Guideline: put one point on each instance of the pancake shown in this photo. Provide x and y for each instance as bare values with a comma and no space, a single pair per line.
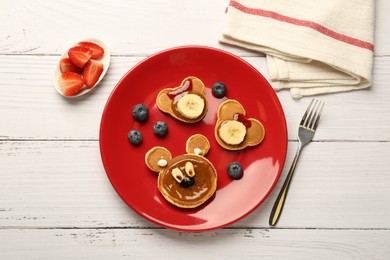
205,182
168,99
229,111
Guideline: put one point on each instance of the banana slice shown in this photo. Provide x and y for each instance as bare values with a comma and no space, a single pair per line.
190,106
232,132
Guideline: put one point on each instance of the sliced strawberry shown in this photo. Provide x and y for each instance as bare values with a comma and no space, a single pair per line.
70,83
80,55
92,72
66,65
97,51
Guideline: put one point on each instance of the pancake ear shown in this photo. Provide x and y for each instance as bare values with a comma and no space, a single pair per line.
157,158
255,133
197,85
228,108
197,144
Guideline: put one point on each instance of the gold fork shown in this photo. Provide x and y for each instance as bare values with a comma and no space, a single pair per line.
307,128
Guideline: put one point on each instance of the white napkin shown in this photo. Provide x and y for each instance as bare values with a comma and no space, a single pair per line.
312,47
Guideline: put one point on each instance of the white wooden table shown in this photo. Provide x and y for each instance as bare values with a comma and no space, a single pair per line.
57,202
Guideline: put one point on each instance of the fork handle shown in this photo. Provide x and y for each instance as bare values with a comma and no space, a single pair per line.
279,203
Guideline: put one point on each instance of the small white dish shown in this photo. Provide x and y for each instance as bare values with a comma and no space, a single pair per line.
105,60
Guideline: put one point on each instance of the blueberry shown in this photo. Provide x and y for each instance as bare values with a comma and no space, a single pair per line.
160,129
135,137
187,182
235,170
140,113
219,89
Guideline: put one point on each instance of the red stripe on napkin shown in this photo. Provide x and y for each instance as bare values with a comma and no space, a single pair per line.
315,26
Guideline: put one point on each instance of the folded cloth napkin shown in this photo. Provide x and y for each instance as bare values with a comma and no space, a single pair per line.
312,47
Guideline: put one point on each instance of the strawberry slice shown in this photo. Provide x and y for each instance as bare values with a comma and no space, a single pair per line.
97,51
66,65
70,83
92,72
79,55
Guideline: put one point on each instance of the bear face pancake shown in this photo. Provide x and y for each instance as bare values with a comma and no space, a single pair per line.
187,180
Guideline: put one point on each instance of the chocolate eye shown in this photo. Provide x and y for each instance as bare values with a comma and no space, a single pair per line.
177,175
187,182
189,168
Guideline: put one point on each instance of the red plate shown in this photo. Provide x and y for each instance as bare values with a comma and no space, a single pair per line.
124,163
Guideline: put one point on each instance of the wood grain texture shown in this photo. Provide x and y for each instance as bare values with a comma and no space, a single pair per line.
222,244
56,201
63,184
30,107
137,28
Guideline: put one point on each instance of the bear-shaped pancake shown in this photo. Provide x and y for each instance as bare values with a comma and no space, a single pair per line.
188,180
233,131
186,102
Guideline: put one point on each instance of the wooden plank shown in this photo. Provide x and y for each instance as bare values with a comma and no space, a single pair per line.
30,108
382,31
63,184
56,201
222,244
165,24
356,115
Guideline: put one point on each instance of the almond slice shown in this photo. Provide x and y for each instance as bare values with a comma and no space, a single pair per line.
189,168
177,175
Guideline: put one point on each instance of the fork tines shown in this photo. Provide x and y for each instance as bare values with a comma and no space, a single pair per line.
312,115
